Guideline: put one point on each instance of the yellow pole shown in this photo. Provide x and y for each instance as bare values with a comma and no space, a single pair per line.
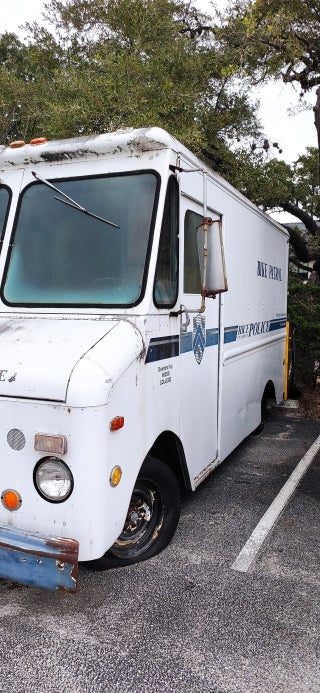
286,362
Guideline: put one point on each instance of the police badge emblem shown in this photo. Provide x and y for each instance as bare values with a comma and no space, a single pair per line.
199,337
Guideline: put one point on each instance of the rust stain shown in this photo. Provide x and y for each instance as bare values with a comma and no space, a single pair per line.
63,156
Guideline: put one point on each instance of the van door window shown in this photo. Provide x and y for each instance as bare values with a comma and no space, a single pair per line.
192,279
166,279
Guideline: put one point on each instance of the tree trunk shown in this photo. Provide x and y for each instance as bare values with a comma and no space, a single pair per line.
317,121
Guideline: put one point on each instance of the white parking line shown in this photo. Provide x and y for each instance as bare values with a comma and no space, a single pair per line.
250,550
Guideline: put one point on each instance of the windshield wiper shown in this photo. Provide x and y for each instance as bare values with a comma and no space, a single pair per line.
72,203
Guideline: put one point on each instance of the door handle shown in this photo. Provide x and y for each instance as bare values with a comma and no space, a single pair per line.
184,325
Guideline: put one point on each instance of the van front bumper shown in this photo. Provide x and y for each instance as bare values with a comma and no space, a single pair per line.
37,559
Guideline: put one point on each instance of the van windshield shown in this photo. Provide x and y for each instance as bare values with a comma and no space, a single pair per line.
63,256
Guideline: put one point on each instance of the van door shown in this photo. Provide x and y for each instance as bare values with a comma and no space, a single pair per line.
199,352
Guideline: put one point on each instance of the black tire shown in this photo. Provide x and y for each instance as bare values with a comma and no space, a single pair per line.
260,428
152,518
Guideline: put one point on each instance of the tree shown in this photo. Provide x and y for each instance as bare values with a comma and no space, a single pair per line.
276,185
277,39
106,64
265,39
27,77
280,39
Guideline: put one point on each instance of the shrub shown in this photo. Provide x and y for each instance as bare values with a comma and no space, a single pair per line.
304,314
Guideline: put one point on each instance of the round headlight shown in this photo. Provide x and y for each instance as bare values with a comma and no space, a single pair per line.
53,479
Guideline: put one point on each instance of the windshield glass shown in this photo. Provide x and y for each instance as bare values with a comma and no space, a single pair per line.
4,200
61,255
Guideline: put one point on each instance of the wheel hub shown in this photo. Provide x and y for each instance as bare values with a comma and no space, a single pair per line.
138,512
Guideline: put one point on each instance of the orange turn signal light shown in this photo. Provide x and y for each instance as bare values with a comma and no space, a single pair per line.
115,476
116,423
10,499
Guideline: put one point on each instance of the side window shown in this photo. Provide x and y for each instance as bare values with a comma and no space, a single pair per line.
166,279
4,202
192,279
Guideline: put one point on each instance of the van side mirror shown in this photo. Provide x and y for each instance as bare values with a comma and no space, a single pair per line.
211,264
211,258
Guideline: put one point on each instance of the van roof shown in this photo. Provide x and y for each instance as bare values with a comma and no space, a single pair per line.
121,142
125,142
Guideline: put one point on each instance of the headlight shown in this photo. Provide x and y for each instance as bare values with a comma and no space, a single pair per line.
53,479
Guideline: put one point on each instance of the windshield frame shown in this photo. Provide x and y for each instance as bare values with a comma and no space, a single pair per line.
87,305
5,218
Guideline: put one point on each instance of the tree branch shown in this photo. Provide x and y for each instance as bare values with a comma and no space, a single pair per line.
311,225
300,265
298,244
317,122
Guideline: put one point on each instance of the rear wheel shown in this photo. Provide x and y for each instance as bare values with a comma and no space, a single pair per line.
260,428
152,517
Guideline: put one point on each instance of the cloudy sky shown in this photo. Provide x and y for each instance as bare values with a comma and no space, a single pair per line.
293,132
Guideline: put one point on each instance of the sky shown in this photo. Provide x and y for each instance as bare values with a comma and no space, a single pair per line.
293,132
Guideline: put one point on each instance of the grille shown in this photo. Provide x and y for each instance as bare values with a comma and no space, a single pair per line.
16,439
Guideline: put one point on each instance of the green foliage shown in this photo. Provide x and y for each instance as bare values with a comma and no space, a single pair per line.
271,183
304,313
27,77
306,182
122,63
278,38
268,183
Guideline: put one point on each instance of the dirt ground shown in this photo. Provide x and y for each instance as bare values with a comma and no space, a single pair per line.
309,401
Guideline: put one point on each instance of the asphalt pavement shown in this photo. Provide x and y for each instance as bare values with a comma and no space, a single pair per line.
186,621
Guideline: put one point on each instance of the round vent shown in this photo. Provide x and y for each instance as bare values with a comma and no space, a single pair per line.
16,439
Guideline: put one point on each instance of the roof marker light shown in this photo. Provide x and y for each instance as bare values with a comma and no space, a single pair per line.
38,140
17,144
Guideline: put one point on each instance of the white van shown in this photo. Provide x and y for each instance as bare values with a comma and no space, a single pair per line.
142,324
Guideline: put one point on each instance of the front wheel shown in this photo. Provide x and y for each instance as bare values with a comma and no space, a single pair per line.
152,517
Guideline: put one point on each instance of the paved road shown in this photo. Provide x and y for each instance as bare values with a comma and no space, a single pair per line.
185,621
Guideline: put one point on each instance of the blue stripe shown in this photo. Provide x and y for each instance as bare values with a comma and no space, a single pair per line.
170,346
185,342
277,324
230,334
163,348
212,336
